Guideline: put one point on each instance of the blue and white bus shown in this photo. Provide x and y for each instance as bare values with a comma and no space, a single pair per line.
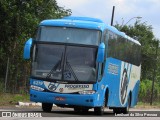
83,63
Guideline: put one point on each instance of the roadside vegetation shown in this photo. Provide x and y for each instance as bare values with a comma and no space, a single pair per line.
18,22
7,99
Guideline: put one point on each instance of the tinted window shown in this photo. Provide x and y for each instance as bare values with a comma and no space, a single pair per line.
69,35
123,49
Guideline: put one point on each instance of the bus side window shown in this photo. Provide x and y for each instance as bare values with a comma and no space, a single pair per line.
106,39
111,45
123,49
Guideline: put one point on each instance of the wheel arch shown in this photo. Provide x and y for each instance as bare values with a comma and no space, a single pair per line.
106,95
130,97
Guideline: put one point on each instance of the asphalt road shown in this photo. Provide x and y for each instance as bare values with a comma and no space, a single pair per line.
68,113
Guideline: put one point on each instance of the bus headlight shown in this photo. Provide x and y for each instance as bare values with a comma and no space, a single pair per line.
85,92
36,88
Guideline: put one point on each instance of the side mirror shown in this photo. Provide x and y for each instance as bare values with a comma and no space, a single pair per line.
101,53
27,49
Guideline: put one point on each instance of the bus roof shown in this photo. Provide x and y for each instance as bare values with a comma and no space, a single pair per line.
84,19
85,22
79,22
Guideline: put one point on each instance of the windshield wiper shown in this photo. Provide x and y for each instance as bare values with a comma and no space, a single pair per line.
71,70
62,66
55,67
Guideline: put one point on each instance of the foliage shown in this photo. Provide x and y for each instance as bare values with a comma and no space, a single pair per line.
145,91
18,21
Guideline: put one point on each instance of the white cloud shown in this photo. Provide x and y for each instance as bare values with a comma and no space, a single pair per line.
72,4
126,9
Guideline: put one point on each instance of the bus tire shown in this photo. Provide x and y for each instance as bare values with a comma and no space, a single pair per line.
100,110
47,107
126,109
81,110
76,110
116,110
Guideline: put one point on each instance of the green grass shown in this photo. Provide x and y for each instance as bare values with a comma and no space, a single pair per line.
12,99
147,105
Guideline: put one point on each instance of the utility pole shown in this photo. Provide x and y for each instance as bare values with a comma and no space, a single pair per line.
6,78
154,72
112,16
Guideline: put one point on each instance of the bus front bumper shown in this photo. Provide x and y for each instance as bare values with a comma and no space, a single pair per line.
89,100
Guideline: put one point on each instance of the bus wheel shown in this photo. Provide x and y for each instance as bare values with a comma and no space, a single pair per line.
83,110
126,109
122,110
47,107
77,110
116,110
100,110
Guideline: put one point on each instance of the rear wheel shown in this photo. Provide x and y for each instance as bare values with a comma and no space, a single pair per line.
124,110
47,107
118,110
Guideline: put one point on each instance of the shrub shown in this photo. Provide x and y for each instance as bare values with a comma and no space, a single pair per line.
146,91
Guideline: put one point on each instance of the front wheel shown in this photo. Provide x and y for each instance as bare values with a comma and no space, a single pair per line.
47,107
100,110
79,110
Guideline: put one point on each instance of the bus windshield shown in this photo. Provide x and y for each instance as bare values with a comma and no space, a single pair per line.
69,35
62,62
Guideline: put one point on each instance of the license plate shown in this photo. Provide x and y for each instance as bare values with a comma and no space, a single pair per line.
60,98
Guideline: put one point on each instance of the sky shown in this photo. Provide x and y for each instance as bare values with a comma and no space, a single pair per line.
126,11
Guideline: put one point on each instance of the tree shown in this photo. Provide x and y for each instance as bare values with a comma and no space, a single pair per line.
18,21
